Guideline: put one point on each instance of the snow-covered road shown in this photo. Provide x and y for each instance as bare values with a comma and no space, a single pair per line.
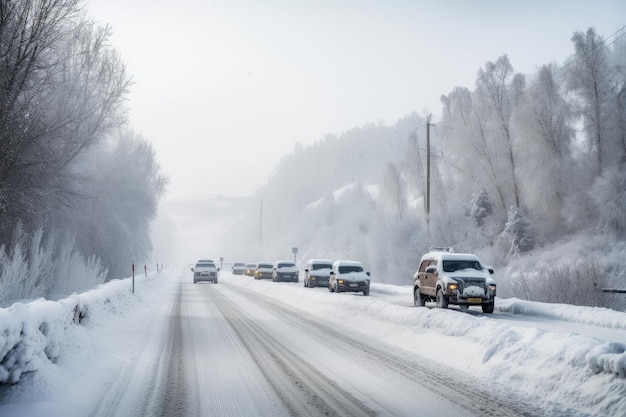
227,350
245,347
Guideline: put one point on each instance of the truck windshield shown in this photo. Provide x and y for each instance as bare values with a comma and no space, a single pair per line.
460,264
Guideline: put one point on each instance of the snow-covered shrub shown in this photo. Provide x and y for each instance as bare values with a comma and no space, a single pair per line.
39,266
577,283
24,266
518,233
609,196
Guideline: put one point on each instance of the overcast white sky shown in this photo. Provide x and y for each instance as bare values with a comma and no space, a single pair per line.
224,88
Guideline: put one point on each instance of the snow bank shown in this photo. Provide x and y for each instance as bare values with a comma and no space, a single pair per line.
607,357
31,334
595,316
388,289
571,355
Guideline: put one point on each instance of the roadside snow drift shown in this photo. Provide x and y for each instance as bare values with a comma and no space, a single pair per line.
31,334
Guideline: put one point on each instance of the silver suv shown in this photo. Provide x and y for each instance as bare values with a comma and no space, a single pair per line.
454,278
205,270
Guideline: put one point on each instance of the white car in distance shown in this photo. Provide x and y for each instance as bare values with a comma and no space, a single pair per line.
205,270
349,276
285,271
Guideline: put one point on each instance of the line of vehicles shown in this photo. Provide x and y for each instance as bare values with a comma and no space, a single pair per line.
443,277
338,276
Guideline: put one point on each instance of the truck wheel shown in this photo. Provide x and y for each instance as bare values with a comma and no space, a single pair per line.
442,300
366,292
418,300
488,308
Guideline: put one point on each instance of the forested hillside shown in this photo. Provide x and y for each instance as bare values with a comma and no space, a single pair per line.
78,188
527,170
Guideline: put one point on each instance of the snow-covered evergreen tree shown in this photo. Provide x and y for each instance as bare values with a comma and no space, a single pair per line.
479,207
518,232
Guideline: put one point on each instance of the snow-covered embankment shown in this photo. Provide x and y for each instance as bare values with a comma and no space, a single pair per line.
31,333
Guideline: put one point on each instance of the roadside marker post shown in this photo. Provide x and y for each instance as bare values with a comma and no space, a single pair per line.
133,290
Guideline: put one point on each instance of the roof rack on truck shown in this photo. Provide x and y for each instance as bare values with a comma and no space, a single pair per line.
441,249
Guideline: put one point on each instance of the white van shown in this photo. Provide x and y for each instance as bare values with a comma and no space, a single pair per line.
317,273
349,276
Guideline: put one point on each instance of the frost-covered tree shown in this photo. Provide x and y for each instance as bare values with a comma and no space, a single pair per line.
589,77
394,191
119,194
467,143
492,87
518,232
480,207
62,93
609,195
547,170
61,88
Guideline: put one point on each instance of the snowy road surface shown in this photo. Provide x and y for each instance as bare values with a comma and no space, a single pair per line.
244,347
230,351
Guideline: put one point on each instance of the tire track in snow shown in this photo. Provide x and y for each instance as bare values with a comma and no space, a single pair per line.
494,400
303,390
175,398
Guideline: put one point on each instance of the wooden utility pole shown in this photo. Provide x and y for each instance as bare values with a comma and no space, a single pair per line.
428,169
261,224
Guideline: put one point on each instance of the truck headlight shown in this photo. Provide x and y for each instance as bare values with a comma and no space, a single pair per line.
453,287
492,288
340,281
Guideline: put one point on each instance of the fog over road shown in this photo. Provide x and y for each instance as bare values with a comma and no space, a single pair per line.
227,350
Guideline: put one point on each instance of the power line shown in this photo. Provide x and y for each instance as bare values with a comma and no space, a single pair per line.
617,34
